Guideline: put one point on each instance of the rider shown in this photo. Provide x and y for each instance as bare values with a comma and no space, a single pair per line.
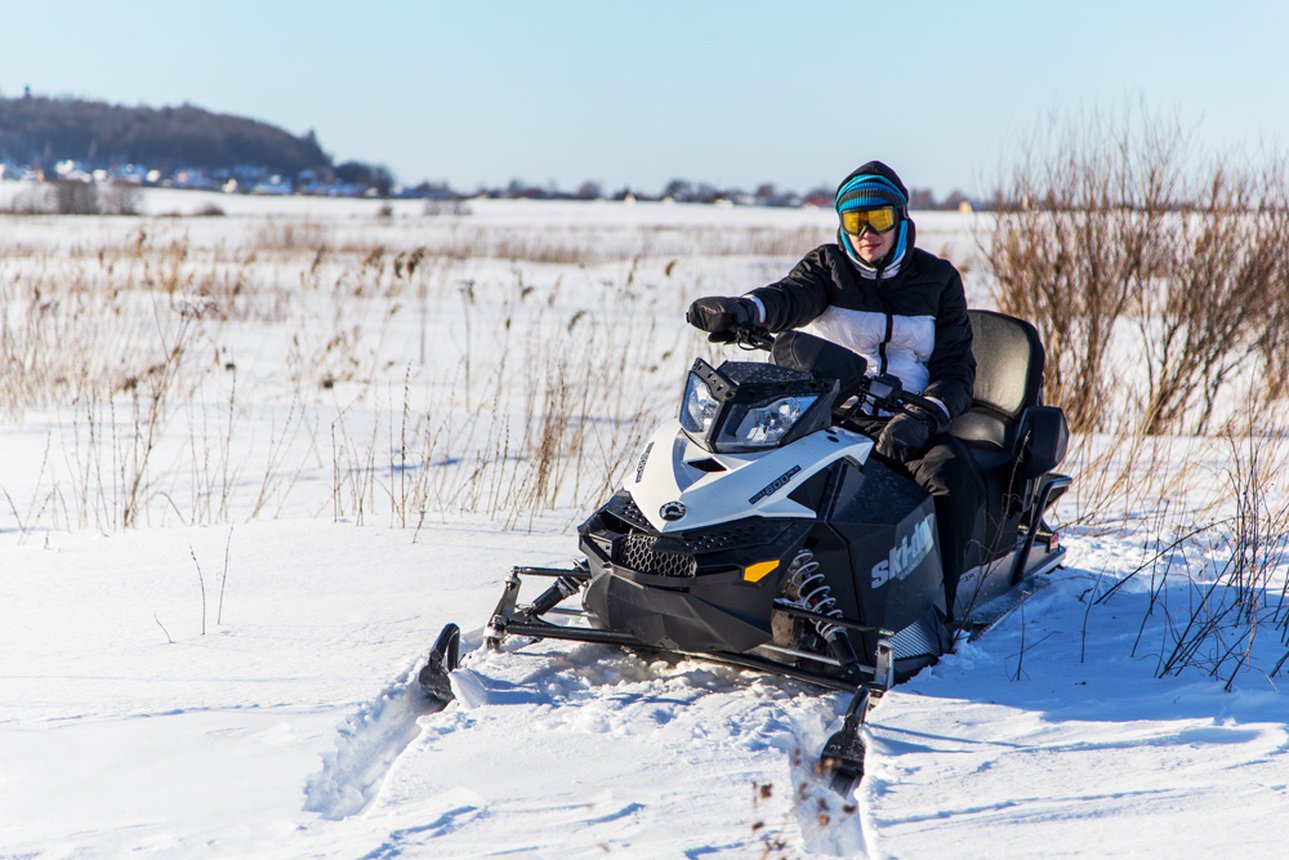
904,310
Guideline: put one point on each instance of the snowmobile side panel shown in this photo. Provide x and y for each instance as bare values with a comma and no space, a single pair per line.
888,523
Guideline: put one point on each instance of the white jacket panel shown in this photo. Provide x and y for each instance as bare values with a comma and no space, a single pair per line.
907,352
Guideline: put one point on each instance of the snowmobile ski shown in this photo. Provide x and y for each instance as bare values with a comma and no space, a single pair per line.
842,758
445,656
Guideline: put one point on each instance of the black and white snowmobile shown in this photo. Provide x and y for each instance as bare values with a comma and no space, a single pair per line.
760,529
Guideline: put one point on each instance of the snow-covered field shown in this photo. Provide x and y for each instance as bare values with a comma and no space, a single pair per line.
252,463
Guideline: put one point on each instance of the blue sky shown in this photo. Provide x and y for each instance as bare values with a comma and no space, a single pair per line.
638,93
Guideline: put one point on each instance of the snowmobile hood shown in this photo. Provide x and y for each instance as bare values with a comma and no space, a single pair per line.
679,486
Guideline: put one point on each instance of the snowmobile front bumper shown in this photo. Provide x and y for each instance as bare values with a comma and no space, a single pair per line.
686,591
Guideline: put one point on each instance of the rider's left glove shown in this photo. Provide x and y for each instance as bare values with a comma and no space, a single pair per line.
721,317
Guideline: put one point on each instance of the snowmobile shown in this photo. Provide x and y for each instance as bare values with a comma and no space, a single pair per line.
760,528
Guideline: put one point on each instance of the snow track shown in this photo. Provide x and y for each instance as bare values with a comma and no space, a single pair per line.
369,743
654,743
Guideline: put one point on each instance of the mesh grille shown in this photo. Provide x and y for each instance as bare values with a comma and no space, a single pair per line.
644,550
712,540
638,554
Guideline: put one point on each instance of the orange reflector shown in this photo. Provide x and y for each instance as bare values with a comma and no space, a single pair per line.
757,572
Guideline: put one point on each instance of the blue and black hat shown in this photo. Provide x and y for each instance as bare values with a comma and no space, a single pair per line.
870,186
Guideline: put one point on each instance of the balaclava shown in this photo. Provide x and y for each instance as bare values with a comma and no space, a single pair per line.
868,187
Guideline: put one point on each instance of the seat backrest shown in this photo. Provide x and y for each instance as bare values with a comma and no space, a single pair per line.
1009,362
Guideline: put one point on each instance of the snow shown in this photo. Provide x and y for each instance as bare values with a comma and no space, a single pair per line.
234,675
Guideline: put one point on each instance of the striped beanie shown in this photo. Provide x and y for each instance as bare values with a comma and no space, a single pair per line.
868,187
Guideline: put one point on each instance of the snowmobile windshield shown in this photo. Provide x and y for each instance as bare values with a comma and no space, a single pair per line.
750,407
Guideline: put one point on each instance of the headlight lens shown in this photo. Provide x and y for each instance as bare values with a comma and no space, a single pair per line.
738,420
765,424
700,407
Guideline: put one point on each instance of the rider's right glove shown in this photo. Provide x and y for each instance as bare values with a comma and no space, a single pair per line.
907,433
721,317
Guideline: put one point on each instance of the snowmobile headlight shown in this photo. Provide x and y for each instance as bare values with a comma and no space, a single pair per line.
699,408
750,406
763,425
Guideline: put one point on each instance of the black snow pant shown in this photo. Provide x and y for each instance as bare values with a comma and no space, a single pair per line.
946,470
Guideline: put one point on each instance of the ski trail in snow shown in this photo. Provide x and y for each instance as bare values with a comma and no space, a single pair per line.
533,701
830,825
596,691
370,741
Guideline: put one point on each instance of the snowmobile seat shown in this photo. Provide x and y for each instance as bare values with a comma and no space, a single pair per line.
1007,411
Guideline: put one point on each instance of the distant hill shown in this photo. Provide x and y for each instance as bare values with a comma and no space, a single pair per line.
40,131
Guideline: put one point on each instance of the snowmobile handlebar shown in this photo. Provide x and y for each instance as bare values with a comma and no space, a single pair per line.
885,391
753,337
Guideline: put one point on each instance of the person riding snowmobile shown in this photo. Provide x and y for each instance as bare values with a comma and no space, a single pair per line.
904,310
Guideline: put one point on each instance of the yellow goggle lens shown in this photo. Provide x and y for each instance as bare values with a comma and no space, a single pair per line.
880,220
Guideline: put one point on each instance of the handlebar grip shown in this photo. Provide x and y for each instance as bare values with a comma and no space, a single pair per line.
922,402
754,337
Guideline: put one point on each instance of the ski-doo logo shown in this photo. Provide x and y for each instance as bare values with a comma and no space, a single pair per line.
774,485
672,511
906,556
644,458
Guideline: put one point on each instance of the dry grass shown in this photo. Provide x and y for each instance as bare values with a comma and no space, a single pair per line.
417,378
416,374
584,245
1152,280
1157,280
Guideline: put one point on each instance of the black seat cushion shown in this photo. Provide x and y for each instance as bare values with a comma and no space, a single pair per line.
990,435
1009,378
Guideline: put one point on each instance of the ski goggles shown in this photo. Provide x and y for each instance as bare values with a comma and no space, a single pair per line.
855,221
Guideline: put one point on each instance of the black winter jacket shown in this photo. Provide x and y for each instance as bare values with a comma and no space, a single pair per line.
913,325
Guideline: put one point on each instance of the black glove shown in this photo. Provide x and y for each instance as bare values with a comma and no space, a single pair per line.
906,434
722,316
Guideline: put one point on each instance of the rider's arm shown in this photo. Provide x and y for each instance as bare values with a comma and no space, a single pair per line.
952,366
797,298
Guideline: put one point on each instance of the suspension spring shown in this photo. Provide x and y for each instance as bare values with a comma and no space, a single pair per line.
813,592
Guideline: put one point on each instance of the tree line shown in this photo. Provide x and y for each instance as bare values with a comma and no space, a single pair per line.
38,132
